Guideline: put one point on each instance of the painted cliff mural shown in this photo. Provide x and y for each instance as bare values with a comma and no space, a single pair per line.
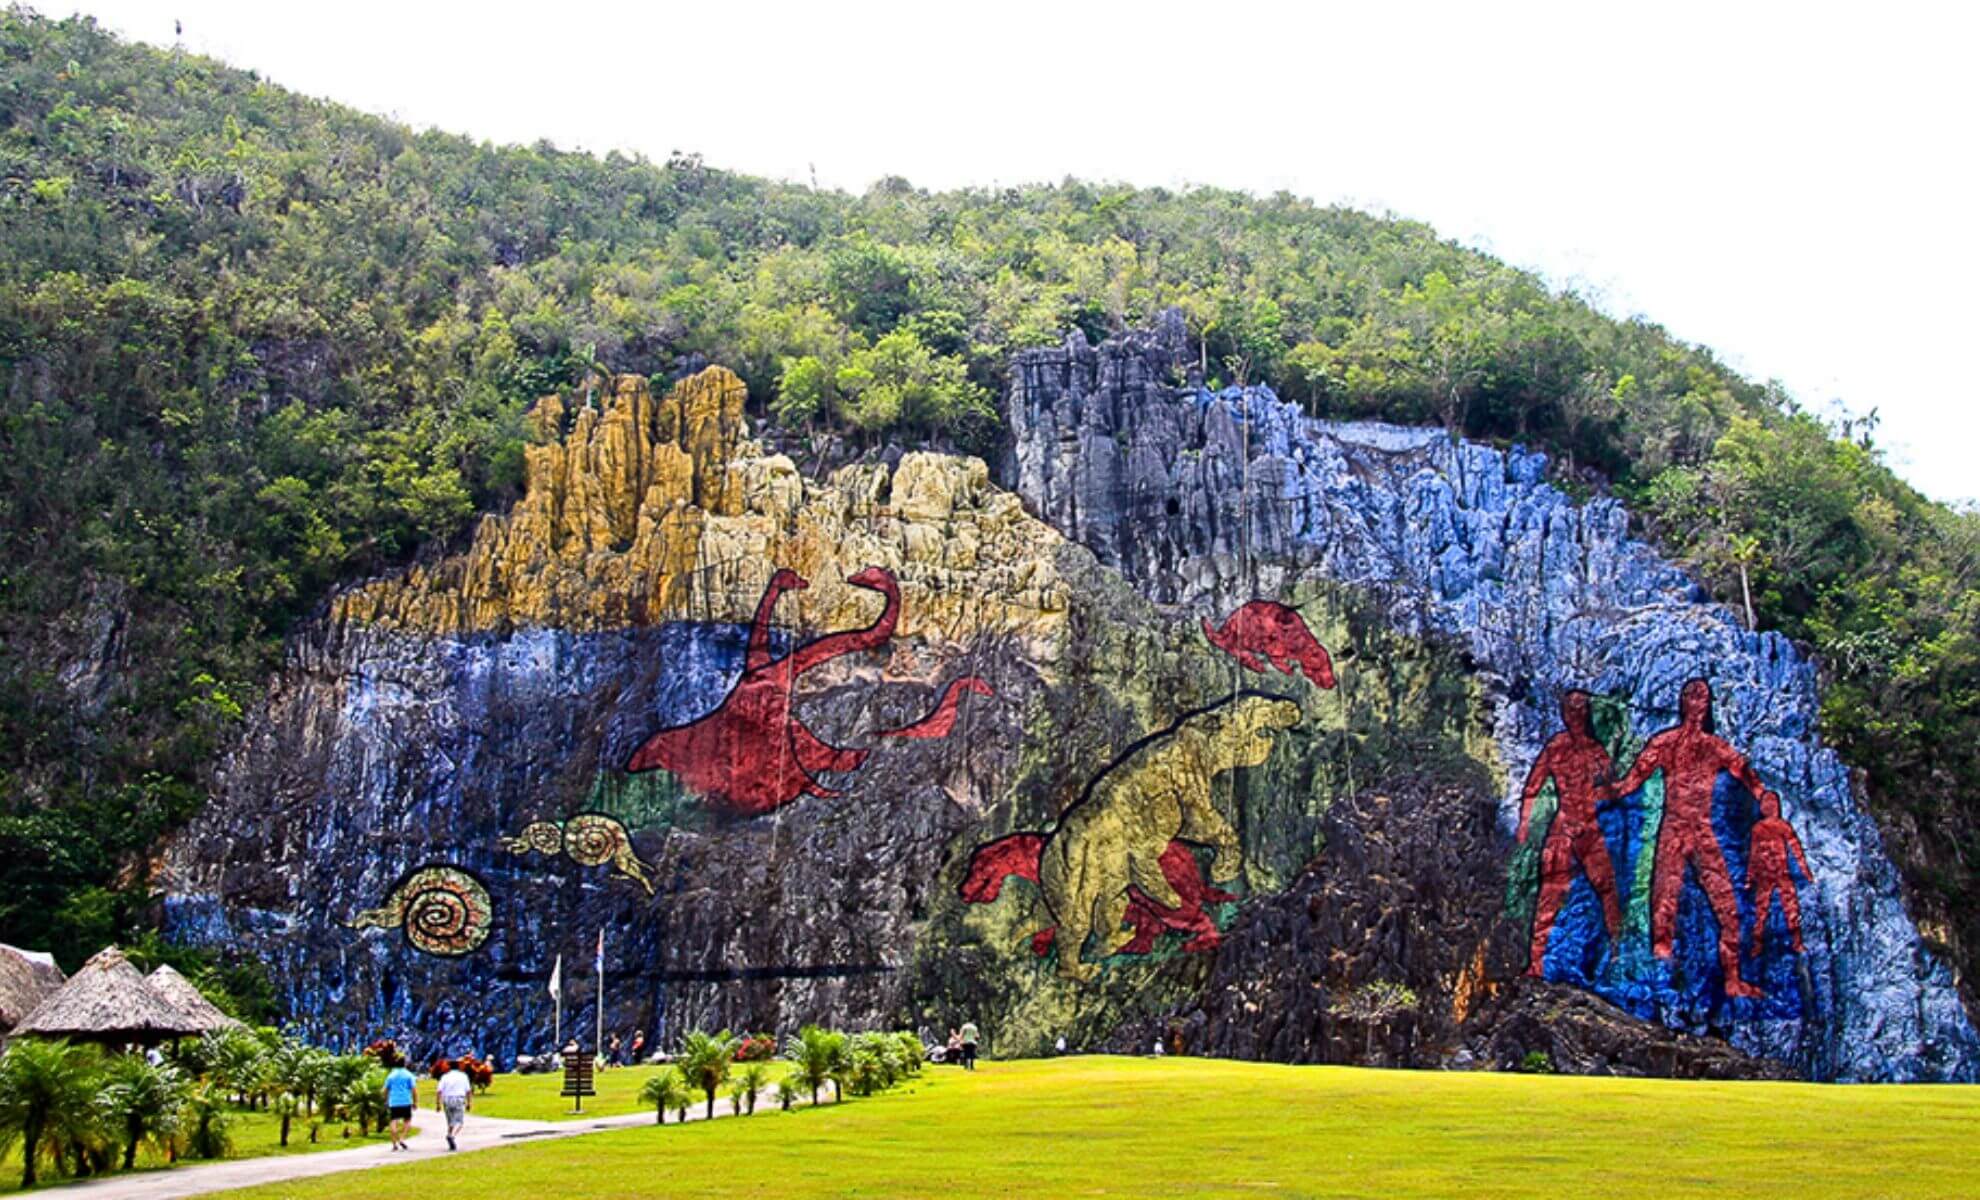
1213,715
1704,853
1118,865
751,754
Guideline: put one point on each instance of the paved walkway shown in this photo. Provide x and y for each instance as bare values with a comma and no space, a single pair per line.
480,1133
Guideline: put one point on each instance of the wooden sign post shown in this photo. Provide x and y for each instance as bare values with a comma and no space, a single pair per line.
577,1078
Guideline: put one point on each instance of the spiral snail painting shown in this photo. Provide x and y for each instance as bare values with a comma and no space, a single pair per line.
442,910
588,839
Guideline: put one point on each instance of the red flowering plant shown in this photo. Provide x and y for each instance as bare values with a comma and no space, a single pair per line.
757,1047
480,1074
384,1051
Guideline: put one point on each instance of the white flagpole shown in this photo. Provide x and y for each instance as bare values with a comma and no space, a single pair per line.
599,1045
557,1006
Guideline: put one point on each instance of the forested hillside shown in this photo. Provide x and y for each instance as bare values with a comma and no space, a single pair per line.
254,344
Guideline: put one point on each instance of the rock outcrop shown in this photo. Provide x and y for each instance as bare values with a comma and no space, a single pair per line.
643,511
1253,699
1205,499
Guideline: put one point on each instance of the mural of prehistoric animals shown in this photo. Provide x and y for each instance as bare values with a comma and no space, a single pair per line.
751,754
1119,867
894,743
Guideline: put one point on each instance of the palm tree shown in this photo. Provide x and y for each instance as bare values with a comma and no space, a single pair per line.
913,1053
815,1056
343,1078
286,1105
142,1103
313,1072
43,1085
750,1084
664,1091
704,1059
367,1101
234,1059
206,1121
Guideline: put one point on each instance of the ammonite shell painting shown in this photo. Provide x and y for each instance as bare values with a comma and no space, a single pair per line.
594,839
442,910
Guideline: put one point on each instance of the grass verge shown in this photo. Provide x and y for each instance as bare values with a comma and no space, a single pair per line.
1193,1127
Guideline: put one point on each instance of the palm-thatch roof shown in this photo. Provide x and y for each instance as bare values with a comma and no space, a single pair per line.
107,1001
26,979
179,992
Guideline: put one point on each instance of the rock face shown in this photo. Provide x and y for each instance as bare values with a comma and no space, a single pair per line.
1204,499
1217,726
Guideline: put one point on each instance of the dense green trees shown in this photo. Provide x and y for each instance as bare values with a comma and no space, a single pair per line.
252,344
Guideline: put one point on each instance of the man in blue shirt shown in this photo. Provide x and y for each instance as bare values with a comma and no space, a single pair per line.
401,1094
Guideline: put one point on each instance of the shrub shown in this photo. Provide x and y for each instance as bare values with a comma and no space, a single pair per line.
206,1122
668,1089
45,1089
385,1052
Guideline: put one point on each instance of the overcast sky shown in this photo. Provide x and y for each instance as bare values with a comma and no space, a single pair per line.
1793,188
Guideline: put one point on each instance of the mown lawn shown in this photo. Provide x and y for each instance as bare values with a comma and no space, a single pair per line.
254,1135
1193,1127
536,1098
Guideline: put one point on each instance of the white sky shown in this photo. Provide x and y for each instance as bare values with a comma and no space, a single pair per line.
1794,187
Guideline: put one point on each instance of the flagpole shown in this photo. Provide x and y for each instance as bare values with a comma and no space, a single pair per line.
599,1045
557,1006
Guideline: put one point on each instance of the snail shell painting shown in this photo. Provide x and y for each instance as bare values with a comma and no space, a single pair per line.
537,837
588,839
442,910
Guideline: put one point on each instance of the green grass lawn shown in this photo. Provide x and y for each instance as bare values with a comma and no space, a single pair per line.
536,1098
1194,1127
254,1134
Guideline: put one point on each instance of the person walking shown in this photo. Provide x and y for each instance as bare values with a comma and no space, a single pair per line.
969,1045
401,1096
454,1097
612,1054
638,1053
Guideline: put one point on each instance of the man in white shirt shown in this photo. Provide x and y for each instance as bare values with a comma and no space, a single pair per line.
455,1097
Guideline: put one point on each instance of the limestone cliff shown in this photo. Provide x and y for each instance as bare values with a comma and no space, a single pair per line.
638,512
1203,499
1240,719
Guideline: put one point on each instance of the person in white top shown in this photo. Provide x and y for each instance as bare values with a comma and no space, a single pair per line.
456,1096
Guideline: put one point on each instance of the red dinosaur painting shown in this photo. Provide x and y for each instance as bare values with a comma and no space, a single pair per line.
751,754
1265,631
1017,857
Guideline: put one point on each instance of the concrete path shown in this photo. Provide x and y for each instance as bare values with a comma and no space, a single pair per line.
480,1133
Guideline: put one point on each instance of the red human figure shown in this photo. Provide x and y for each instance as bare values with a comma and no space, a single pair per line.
1264,630
1767,873
1582,773
751,754
1691,756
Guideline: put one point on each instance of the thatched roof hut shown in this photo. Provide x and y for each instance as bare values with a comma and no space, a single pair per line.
26,979
179,992
108,1001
